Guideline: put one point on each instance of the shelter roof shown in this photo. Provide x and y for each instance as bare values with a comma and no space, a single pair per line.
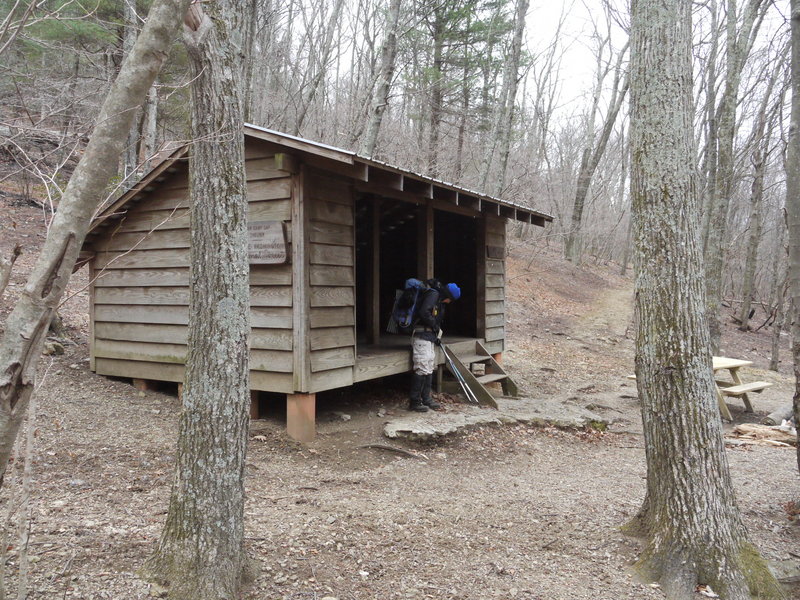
346,162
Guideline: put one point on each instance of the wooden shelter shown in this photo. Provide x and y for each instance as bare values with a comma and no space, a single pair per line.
332,236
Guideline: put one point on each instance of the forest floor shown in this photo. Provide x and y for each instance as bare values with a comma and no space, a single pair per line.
493,512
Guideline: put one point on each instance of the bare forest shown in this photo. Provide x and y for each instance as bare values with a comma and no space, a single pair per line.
543,104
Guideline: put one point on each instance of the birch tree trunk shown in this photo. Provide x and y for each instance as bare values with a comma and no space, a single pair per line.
200,554
26,326
689,517
793,208
381,99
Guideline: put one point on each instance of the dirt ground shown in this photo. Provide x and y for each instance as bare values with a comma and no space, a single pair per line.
494,512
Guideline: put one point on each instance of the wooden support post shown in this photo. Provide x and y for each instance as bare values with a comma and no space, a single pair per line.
301,304
144,385
255,410
180,392
480,279
425,241
374,311
301,416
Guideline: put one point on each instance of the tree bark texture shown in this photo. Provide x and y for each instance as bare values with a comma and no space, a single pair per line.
200,554
689,517
26,326
793,207
381,99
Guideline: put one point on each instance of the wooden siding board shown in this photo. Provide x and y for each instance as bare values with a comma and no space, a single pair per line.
331,212
495,294
148,220
332,379
324,316
331,255
494,334
263,339
495,308
332,337
180,276
334,358
330,233
263,317
332,296
332,275
260,360
495,281
179,296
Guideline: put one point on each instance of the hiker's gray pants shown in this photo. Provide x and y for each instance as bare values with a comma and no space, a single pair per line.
423,355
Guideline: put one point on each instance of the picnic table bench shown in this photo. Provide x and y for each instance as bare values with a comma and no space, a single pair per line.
735,387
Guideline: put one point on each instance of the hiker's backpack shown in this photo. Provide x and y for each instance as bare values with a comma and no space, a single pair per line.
405,305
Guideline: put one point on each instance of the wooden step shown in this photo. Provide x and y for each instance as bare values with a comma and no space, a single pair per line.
746,388
484,379
469,359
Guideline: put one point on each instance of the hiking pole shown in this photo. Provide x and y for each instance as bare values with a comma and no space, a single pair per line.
459,377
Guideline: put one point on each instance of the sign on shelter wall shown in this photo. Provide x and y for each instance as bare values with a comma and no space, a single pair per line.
266,243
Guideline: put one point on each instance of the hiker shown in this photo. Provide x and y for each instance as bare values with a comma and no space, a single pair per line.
426,336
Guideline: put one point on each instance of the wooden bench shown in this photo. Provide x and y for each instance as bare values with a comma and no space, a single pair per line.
744,388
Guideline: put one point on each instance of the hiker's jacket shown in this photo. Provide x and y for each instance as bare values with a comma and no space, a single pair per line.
429,315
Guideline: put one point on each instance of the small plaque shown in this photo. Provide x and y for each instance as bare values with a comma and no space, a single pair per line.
266,243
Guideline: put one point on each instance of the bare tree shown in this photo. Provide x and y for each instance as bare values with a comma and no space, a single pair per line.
740,39
385,75
689,517
26,326
200,554
793,207
765,122
594,150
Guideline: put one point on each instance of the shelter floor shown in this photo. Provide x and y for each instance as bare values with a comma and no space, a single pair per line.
393,355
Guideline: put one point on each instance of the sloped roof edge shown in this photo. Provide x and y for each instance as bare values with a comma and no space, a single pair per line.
305,146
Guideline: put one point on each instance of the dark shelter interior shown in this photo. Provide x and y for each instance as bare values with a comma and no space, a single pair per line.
390,240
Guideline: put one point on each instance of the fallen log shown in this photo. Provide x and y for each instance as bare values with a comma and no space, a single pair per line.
778,417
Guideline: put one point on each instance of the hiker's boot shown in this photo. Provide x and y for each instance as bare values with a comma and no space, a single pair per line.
415,397
427,399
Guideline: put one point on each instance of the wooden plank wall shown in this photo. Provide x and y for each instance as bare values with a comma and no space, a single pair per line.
495,280
141,298
331,234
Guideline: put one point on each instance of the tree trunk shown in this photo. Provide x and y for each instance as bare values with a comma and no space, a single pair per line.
780,282
793,208
26,326
435,115
510,85
200,554
738,47
131,158
762,137
689,517
149,128
381,99
592,155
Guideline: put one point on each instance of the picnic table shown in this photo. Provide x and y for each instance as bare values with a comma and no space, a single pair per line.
734,387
